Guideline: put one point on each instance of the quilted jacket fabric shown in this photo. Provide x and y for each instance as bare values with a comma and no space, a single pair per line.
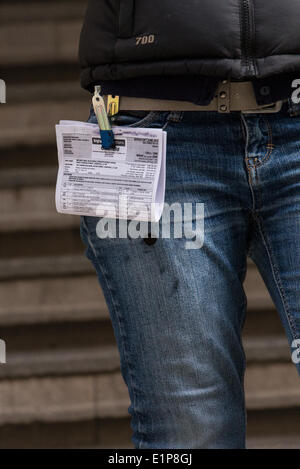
241,39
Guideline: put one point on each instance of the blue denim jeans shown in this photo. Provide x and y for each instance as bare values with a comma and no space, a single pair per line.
178,314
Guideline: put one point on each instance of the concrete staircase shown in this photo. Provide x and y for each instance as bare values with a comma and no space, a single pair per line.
62,385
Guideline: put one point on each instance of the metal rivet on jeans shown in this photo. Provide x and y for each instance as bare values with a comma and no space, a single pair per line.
265,90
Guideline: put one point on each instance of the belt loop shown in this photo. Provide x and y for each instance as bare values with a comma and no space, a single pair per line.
293,108
224,96
175,116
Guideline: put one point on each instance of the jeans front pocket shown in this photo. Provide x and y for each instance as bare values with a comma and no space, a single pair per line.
126,18
153,119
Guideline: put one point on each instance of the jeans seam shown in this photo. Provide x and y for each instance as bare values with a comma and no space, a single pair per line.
247,158
250,182
270,145
259,191
276,276
173,116
122,333
148,119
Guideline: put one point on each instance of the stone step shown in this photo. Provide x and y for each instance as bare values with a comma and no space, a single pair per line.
35,35
63,399
267,348
35,314
35,121
73,361
259,298
14,12
45,267
28,206
274,442
33,284
40,41
40,301
95,433
272,386
44,92
64,289
42,242
274,429
27,203
27,158
41,290
57,351
85,397
61,338
39,107
266,430
16,179
41,220
257,294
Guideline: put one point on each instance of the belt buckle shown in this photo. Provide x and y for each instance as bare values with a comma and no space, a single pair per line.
268,109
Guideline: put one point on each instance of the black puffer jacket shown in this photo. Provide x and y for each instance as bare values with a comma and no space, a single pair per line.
241,39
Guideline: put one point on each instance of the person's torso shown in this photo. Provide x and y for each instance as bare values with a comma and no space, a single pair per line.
241,39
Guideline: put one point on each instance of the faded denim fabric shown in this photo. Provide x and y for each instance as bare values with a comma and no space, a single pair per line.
178,314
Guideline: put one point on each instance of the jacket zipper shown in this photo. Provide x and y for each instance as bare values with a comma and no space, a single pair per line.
247,37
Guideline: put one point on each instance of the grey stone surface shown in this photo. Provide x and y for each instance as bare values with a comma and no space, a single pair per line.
23,10
52,299
62,362
272,386
36,121
53,391
39,42
62,399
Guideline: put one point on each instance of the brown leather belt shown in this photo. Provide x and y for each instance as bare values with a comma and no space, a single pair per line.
230,96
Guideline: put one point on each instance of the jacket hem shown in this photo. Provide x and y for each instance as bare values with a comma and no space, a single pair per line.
223,68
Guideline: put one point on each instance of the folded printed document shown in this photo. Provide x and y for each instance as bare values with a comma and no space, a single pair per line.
127,182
